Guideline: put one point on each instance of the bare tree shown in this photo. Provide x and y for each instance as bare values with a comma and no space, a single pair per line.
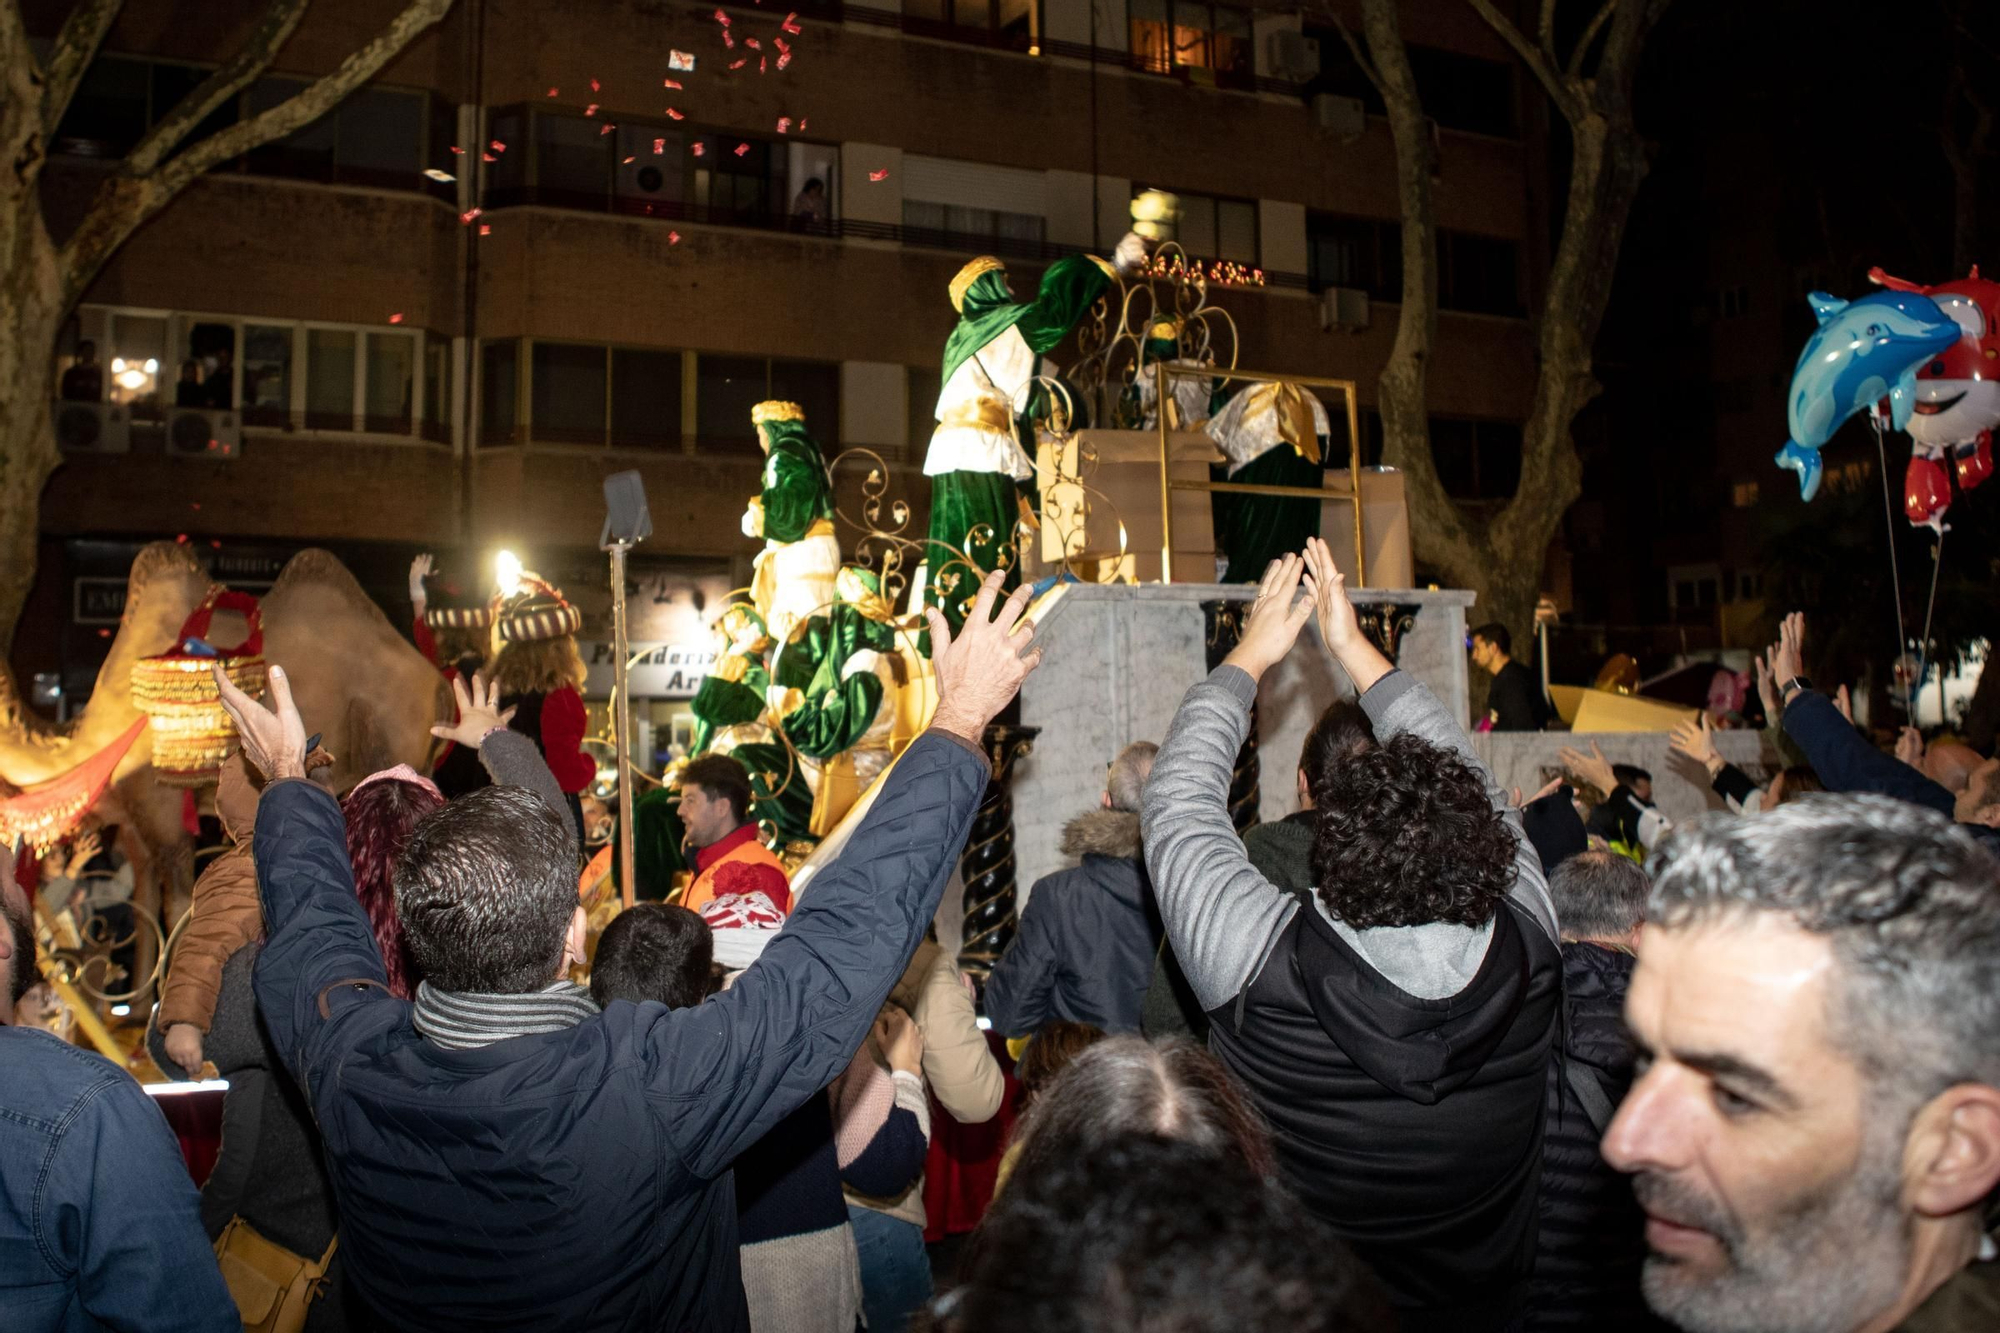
42,280
1501,557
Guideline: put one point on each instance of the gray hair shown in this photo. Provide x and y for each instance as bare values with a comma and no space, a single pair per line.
1129,771
1910,904
485,890
1599,896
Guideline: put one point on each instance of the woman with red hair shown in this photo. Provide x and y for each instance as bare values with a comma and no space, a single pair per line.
381,811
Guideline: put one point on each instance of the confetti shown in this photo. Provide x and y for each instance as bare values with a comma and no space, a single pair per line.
781,44
214,543
488,157
802,124
739,64
590,110
396,318
791,23
878,176
442,177
680,62
182,537
659,147
469,216
608,127
628,161
727,41
722,18
784,60
554,91
673,238
485,229
753,43
498,147
459,151
742,148
195,505
784,124
675,84
763,63
594,85
674,115
700,148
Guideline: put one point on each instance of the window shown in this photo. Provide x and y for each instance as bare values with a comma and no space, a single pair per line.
926,383
566,393
1184,34
377,137
171,83
111,109
572,161
727,387
389,407
953,225
499,390
740,187
1337,448
1363,253
645,397
1459,92
655,179
1481,274
580,393
1206,227
1476,460
330,365
267,374
1743,495
1001,22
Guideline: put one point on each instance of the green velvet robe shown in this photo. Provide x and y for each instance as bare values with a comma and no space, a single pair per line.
797,491
1253,530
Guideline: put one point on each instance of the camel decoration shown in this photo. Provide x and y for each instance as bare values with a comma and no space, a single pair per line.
357,681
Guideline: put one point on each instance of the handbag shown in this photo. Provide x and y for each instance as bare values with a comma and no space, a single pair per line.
272,1287
192,734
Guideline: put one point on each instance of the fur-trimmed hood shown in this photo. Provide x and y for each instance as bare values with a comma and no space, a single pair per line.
1102,833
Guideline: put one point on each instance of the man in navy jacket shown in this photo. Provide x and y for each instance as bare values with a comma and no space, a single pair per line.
576,1175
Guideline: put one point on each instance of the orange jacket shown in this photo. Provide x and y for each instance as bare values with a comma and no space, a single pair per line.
225,916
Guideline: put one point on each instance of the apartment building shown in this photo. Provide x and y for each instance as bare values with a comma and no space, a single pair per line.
541,248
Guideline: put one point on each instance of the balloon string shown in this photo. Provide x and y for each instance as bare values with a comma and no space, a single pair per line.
1923,646
1895,574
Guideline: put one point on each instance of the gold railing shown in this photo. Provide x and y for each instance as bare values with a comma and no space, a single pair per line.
1165,373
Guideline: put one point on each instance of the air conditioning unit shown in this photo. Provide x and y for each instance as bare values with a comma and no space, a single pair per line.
93,428
196,432
1292,55
1345,118
1343,308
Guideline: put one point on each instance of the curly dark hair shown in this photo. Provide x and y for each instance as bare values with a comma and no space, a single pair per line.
1404,835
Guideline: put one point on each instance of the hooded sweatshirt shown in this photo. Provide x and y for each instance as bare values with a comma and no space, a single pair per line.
225,915
1401,1067
1083,952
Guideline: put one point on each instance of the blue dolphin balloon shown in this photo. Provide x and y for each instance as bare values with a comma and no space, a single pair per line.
1864,351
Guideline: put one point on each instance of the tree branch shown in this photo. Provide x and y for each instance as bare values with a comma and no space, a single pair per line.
1559,89
271,33
1545,30
75,46
1360,56
125,202
1584,43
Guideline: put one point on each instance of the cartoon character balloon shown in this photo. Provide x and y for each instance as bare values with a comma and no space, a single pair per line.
1864,350
1958,396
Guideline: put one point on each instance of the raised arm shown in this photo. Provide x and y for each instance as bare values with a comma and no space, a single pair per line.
792,1021
1397,702
1221,915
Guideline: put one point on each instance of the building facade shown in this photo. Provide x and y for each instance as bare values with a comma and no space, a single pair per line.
541,249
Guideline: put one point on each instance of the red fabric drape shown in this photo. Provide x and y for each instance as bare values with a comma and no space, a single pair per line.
964,1160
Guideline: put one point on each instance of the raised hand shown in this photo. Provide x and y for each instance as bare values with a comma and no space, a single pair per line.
1549,788
420,569
981,671
1845,704
1767,690
1788,654
479,713
1591,769
1130,256
1276,618
1697,742
274,739
1339,627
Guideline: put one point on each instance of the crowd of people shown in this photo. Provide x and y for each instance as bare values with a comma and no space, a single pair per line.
1423,1055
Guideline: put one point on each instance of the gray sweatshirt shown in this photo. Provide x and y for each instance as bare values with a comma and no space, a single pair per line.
1223,916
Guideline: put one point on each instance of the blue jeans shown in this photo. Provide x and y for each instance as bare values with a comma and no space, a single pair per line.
895,1270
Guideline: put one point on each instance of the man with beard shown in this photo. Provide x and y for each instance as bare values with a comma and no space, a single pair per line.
1815,1132
100,1226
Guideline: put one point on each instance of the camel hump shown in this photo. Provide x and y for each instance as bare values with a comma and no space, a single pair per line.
316,570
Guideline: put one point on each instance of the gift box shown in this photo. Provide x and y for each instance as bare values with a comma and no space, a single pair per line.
1099,484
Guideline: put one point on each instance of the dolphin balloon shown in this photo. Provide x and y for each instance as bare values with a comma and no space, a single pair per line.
1864,350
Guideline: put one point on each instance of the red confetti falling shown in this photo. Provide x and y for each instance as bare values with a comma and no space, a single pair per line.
722,18
674,115
742,148
672,83
681,62
739,64
104,634
763,63
498,147
182,537
608,127
781,44
195,505
216,544
791,23
728,41
590,110
784,60
594,85
488,157
700,149
628,161
659,147
554,91
802,124
456,149
881,175
753,43
485,229
396,318
673,238
469,216
784,124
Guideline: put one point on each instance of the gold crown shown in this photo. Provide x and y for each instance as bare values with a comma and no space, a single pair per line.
970,274
1164,329
776,410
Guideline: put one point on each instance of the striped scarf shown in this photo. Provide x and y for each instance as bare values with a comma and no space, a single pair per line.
462,1021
